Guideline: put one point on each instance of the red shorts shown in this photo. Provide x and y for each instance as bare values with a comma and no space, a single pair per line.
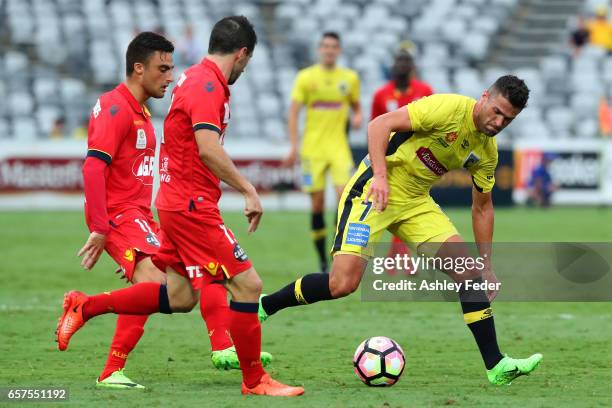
132,237
199,246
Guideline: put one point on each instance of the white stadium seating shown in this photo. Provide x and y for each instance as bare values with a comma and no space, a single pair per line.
61,54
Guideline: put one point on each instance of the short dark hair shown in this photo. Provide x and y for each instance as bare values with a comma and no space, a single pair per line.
142,46
513,89
231,34
331,34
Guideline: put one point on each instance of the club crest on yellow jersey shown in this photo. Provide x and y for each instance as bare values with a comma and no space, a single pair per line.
451,137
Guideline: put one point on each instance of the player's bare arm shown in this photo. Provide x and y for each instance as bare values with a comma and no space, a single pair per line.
357,118
482,224
213,155
95,195
294,137
378,139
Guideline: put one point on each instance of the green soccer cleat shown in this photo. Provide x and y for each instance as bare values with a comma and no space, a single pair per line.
509,368
228,359
261,313
119,381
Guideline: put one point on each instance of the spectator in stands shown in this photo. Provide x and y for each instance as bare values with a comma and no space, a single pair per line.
189,50
80,132
58,131
541,185
600,29
579,37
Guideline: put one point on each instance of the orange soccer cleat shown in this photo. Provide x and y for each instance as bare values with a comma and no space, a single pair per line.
273,388
72,318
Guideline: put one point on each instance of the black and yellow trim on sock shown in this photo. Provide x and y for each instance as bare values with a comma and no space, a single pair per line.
477,316
307,290
299,296
318,234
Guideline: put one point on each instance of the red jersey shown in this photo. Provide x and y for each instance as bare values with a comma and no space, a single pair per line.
200,100
387,98
121,134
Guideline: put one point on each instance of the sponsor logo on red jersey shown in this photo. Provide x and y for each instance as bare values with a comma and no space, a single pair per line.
144,166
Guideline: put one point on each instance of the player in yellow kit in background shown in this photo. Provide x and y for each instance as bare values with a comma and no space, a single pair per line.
328,92
410,149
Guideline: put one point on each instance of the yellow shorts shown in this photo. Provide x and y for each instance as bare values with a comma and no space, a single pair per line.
315,169
413,219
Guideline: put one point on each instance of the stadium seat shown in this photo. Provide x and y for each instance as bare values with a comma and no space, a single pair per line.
584,105
275,130
467,82
553,67
71,89
46,116
587,129
438,79
606,70
491,74
453,30
21,103
14,63
24,129
72,39
475,45
560,120
4,129
3,101
269,105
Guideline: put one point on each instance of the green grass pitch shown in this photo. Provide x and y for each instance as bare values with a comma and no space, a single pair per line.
313,345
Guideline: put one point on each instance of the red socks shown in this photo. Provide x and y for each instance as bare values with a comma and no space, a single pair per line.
216,315
140,299
246,333
127,333
398,247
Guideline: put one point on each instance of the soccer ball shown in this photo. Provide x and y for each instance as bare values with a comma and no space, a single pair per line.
379,362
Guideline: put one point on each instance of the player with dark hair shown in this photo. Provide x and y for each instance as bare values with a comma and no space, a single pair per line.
409,149
118,179
118,210
328,92
197,248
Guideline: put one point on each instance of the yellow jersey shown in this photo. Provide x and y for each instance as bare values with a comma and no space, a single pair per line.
327,95
443,138
600,33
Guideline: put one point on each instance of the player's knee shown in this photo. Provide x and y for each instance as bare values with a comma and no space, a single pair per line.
182,298
150,276
253,284
146,271
317,202
467,274
184,303
341,287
